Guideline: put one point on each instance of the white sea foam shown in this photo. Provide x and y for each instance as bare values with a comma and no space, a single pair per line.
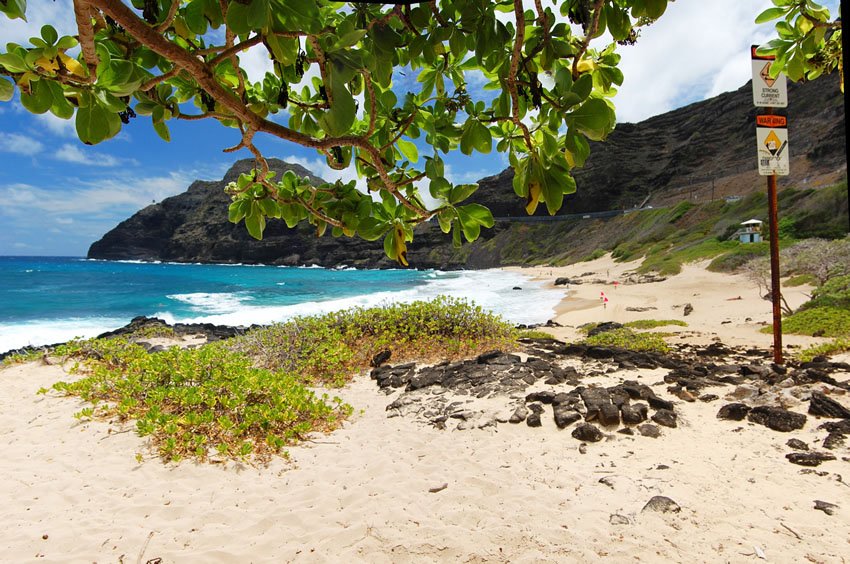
49,331
493,290
213,303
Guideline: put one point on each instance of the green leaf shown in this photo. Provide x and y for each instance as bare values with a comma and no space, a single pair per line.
237,18
61,107
92,124
594,118
255,222
478,213
14,9
576,149
237,211
770,14
339,118
7,90
39,99
461,192
296,15
655,8
48,33
258,14
12,62
162,130
371,228
408,149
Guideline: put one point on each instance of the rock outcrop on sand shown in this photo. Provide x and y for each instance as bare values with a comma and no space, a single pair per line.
596,393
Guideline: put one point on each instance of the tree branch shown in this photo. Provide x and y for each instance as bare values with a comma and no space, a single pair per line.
594,25
82,13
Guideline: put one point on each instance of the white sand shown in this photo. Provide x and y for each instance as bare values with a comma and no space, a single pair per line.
717,311
361,493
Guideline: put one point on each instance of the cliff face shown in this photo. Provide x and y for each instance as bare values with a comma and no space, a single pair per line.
700,152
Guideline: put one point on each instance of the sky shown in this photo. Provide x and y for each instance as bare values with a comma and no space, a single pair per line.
59,196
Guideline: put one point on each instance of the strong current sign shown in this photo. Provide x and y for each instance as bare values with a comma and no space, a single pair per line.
772,141
767,92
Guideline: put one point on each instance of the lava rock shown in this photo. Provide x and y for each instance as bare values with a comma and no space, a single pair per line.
825,506
565,416
688,309
797,444
809,458
649,430
833,441
542,397
661,504
519,414
634,414
380,358
587,432
617,519
733,411
777,418
656,402
665,417
824,406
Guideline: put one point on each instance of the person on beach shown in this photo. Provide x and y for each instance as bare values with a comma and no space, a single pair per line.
604,302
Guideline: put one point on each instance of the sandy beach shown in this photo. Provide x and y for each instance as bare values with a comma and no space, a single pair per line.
394,489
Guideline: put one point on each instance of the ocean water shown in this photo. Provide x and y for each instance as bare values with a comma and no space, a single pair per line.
46,300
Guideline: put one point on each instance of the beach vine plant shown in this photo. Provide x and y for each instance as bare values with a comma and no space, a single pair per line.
249,398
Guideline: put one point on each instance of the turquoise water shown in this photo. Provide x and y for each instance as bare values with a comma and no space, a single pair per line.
51,299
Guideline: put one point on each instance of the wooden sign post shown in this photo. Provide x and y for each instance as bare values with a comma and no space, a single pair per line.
773,160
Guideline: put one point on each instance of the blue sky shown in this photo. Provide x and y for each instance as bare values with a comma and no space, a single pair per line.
58,195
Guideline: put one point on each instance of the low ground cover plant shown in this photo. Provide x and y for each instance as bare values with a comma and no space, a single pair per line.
627,339
197,402
331,348
249,397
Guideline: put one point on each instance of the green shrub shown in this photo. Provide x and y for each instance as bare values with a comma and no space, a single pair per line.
627,339
816,322
740,255
653,323
197,402
598,253
800,280
331,348
825,349
534,334
835,293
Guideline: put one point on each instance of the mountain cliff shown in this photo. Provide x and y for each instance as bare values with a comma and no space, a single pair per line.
701,152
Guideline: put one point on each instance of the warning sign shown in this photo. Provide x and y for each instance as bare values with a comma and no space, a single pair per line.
767,92
772,141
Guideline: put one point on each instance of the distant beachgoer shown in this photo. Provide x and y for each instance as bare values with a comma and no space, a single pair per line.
604,302
616,284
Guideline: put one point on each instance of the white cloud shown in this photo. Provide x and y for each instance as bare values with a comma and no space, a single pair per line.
59,14
91,197
19,144
57,126
73,154
256,62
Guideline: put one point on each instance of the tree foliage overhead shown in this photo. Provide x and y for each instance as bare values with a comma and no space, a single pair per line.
808,42
337,86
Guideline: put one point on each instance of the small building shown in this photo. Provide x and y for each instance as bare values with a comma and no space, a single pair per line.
750,231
